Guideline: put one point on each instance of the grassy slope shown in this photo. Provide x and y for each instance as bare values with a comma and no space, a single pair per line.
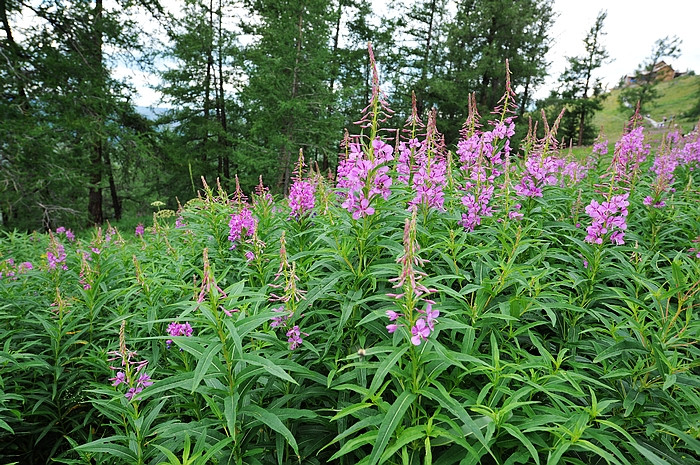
675,98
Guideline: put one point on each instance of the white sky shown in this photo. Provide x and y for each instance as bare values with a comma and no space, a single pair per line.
632,28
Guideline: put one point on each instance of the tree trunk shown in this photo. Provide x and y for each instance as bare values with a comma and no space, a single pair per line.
526,96
23,102
285,156
582,116
486,78
222,104
95,214
116,201
426,60
207,81
336,39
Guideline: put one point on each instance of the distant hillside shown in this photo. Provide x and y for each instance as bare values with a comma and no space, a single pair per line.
676,97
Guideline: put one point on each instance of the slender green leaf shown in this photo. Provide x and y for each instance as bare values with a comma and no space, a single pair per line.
391,421
271,420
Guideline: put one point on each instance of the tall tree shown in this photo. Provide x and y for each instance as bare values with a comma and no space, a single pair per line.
480,37
288,93
349,73
578,83
64,109
96,110
420,35
644,90
206,57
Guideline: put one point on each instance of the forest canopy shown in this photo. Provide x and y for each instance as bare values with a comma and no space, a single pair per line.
245,86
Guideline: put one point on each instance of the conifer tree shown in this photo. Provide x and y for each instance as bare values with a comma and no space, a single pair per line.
420,33
581,93
208,66
288,91
480,37
64,110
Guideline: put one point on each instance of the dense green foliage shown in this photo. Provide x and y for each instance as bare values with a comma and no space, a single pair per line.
246,83
256,332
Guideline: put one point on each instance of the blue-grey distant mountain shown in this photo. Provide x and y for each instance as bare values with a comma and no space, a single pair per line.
152,113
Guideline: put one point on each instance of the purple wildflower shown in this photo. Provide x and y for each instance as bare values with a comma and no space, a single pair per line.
608,217
413,291
56,255
428,183
695,250
600,147
176,329
301,195
420,332
630,153
365,178
130,369
484,156
515,213
431,315
363,209
119,378
406,159
241,223
281,320
139,230
540,171
543,163
294,337
144,380
262,195
301,198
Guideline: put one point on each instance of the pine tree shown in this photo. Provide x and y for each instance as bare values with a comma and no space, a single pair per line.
420,35
481,36
63,130
208,62
288,92
577,84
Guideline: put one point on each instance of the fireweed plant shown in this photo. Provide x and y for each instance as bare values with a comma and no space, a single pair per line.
477,304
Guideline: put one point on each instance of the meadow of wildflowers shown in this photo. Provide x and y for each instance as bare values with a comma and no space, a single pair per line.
482,304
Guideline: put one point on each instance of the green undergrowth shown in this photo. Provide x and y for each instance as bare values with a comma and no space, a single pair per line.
491,321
